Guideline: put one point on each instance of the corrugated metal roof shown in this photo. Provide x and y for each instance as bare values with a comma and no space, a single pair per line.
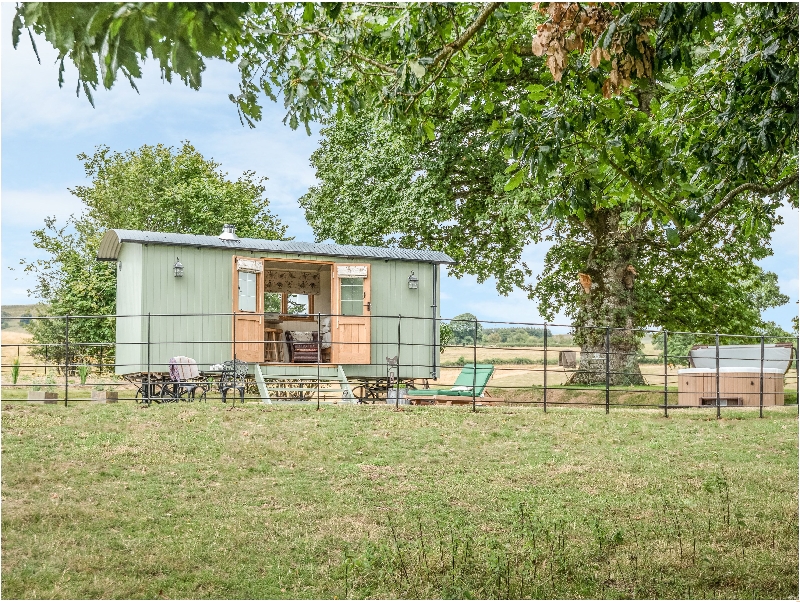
113,239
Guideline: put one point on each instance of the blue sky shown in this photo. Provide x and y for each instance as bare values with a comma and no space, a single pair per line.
44,128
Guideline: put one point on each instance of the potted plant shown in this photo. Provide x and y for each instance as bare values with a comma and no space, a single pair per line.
101,395
38,395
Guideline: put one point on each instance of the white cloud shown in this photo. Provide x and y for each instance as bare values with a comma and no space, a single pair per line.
38,107
26,209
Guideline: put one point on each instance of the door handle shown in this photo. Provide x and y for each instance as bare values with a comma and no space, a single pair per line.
368,305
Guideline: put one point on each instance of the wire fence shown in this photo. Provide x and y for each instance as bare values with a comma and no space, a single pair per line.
333,358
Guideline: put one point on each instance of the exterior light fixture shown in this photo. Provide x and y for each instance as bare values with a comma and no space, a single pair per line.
178,268
413,281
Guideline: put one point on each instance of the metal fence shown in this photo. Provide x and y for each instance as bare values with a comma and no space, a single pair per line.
534,364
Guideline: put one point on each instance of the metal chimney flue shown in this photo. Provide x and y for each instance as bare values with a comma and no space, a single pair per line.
228,232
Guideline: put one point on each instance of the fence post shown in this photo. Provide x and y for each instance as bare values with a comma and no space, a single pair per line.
717,360
397,390
101,360
666,415
319,352
474,364
235,390
46,357
608,366
761,382
149,385
797,373
66,361
545,369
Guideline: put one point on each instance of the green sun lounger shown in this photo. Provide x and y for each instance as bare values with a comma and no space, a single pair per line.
461,391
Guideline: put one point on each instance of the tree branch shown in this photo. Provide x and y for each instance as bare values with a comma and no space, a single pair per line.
468,34
636,185
446,53
751,187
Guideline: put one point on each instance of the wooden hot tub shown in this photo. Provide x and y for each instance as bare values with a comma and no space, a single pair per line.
737,386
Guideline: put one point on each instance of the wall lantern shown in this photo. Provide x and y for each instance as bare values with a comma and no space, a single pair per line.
178,268
413,281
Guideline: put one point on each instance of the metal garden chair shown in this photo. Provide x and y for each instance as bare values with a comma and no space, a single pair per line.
234,374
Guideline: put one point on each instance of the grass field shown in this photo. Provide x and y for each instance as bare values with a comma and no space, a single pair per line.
201,501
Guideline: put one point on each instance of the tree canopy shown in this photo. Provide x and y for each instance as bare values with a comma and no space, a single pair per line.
651,142
153,188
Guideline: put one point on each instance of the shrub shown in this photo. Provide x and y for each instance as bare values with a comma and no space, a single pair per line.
14,370
83,372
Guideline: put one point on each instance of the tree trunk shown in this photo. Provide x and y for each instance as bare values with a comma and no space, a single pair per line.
606,307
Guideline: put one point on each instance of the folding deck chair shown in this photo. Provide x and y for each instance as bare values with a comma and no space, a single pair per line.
461,391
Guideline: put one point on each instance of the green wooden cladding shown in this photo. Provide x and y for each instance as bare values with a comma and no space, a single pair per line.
146,284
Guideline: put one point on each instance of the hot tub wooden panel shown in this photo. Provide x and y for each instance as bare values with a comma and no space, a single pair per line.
697,384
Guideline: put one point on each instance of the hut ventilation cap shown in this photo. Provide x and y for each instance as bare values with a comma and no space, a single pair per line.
228,232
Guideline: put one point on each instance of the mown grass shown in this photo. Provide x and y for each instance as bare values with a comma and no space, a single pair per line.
201,501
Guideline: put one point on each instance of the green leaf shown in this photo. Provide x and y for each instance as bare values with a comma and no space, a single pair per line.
417,69
771,49
673,237
16,27
680,82
428,128
514,181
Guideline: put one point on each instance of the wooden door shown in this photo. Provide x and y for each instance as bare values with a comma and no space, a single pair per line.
351,306
248,309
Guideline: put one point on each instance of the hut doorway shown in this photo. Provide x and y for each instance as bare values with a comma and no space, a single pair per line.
277,305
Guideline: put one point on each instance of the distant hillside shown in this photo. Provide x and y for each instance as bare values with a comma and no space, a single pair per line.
18,311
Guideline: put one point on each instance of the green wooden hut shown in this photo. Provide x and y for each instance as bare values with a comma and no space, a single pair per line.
266,302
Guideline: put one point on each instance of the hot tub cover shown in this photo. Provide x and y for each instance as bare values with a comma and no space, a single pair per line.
776,356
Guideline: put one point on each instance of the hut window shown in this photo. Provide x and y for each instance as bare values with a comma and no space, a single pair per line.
352,296
247,291
291,304
299,305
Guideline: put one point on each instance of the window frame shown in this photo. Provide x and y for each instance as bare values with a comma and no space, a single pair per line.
286,316
342,300
239,289
285,307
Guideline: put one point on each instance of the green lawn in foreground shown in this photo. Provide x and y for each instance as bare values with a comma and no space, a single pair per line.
201,501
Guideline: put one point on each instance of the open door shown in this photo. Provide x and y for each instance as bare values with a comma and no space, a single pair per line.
350,299
248,309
